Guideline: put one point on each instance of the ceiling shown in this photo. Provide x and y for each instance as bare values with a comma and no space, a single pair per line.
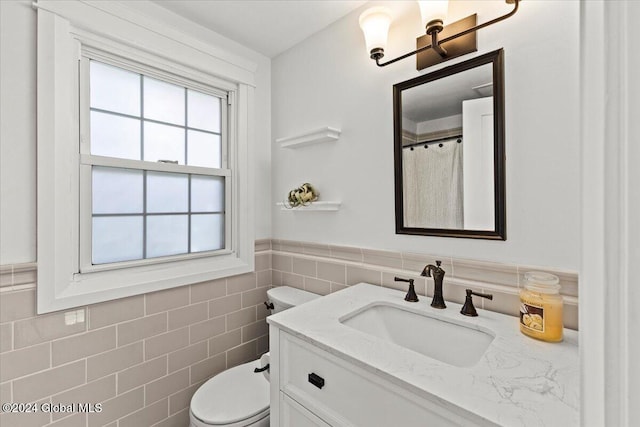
443,97
267,26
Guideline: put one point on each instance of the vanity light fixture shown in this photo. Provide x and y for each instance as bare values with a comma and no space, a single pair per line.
439,44
375,25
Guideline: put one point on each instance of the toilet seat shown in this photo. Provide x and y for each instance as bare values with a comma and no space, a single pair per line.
235,397
261,420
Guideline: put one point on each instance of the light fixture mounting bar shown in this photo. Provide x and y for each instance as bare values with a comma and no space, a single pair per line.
454,36
452,49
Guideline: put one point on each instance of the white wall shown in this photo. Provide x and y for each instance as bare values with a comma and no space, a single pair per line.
18,122
17,132
329,80
444,123
632,294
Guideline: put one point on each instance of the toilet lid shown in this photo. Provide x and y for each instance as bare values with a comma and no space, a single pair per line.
232,396
290,297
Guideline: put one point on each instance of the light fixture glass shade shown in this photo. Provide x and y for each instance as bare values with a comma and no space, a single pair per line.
375,24
433,9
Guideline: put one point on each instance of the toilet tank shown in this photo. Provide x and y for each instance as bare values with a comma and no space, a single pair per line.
284,297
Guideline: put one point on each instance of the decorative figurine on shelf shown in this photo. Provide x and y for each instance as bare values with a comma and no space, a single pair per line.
301,196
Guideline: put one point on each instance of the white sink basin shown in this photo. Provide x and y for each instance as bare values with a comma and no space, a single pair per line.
451,343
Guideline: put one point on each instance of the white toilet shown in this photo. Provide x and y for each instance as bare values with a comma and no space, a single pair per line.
239,397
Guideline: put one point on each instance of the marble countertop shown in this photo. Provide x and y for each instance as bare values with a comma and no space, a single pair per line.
519,381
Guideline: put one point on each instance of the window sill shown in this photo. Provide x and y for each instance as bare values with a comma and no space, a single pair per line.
91,288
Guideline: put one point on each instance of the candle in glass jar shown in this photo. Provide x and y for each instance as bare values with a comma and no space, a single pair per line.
541,307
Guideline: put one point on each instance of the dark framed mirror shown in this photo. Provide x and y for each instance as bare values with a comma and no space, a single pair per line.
449,151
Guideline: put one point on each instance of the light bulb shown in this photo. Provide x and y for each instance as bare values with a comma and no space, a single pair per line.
431,10
375,24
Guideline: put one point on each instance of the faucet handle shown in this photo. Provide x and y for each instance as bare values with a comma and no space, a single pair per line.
468,309
411,294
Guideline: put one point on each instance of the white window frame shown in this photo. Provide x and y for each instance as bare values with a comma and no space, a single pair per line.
87,160
66,32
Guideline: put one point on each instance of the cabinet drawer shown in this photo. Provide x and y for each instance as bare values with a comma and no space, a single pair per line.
295,415
345,395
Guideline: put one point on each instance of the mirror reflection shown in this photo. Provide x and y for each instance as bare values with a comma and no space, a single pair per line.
448,137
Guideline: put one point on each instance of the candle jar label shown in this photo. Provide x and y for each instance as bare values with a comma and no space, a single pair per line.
532,317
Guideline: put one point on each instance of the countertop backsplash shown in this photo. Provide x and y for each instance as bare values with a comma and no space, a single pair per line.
323,269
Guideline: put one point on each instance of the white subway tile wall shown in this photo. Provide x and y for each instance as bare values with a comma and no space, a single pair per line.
143,357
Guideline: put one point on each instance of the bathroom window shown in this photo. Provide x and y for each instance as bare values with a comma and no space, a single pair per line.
154,166
144,158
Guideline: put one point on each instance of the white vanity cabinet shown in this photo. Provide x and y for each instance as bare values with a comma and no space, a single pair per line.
327,370
311,387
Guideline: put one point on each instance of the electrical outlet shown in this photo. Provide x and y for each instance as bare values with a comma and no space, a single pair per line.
73,317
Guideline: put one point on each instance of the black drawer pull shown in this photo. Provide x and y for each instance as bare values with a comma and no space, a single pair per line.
316,380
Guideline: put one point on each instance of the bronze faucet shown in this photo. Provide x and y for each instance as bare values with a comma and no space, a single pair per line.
438,276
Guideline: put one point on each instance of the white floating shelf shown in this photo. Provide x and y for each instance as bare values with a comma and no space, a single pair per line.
315,206
325,134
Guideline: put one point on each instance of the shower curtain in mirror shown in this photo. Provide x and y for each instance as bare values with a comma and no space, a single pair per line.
433,185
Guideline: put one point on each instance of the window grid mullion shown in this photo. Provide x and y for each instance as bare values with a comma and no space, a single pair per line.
102,215
144,214
159,122
186,132
186,160
141,117
189,216
144,172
